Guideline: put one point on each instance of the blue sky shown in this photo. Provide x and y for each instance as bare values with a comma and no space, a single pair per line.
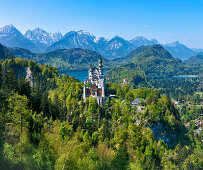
165,20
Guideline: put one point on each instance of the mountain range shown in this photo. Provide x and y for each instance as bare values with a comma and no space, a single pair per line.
40,41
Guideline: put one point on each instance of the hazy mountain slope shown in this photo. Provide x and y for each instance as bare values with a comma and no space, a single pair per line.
5,52
63,59
179,50
118,47
197,59
142,41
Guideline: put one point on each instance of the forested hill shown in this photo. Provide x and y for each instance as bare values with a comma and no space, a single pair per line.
146,62
65,59
155,53
197,59
45,124
145,52
5,52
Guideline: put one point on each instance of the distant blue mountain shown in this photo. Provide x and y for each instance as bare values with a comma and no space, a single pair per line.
38,41
141,41
197,59
179,50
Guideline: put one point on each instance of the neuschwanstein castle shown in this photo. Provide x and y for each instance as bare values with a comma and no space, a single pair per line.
95,85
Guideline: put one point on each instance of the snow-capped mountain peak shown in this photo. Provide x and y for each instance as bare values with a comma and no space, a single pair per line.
42,36
84,32
9,29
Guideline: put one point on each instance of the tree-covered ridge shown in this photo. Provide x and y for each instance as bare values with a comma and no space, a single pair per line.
45,124
154,67
65,59
154,61
5,52
197,59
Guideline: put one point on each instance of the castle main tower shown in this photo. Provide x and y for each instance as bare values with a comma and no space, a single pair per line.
100,66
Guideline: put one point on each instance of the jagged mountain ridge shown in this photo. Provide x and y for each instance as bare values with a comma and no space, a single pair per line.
116,47
39,35
11,37
44,41
75,39
39,41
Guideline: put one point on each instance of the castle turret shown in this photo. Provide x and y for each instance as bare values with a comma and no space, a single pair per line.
90,72
84,91
103,91
100,66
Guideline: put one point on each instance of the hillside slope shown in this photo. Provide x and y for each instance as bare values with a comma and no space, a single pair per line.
45,124
5,52
150,61
197,59
64,59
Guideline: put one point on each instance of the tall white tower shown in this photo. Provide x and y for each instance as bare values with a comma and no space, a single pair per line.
100,66
90,73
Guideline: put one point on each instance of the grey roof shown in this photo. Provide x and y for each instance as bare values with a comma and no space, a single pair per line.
136,101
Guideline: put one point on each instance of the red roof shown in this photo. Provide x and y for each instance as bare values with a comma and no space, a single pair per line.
88,92
99,92
94,86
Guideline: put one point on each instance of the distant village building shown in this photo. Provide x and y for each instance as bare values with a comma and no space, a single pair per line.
187,124
95,85
136,102
126,81
174,101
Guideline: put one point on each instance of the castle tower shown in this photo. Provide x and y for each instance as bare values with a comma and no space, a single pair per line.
84,92
100,66
90,73
103,91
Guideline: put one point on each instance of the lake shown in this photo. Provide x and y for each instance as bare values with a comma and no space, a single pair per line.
80,75
185,76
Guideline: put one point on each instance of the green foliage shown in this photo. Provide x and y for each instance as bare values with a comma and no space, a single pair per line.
45,124
9,154
154,67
